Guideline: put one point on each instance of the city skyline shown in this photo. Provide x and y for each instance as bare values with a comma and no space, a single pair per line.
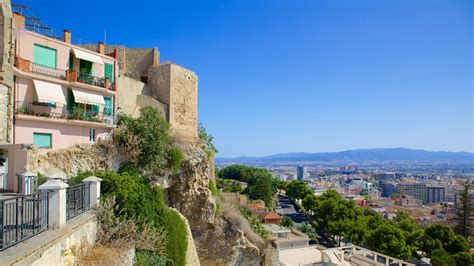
346,75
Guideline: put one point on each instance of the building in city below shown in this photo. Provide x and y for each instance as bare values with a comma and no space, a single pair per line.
416,190
387,188
435,195
300,172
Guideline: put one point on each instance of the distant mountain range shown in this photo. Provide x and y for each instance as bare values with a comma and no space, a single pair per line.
361,155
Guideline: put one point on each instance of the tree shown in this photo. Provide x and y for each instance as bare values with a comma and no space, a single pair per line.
286,222
441,236
305,227
206,140
464,213
297,189
440,257
263,190
389,239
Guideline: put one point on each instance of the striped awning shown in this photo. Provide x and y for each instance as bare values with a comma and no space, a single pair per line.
87,56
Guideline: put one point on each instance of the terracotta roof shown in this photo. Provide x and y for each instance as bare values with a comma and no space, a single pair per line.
271,215
255,206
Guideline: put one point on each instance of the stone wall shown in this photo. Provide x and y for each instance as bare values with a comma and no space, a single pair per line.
7,40
177,87
133,62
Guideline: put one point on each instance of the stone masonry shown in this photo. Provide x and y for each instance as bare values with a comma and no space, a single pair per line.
6,72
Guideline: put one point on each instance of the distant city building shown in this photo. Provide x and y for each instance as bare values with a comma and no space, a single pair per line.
416,190
427,194
300,172
387,188
435,194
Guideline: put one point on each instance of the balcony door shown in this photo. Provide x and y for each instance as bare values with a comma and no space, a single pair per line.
85,67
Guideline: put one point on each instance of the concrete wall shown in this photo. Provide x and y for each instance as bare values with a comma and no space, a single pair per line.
133,95
54,247
6,72
177,87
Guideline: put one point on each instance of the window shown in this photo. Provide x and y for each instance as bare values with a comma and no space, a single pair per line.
109,72
92,135
43,140
45,56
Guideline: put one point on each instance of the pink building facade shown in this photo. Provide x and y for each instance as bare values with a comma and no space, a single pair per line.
63,94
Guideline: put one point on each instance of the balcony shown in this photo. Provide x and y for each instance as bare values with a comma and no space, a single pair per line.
60,111
28,66
74,76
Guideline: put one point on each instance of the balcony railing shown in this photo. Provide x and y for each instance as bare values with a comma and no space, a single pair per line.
48,71
28,66
22,217
77,199
91,80
60,111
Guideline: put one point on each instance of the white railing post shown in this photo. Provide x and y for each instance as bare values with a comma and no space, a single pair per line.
94,183
56,202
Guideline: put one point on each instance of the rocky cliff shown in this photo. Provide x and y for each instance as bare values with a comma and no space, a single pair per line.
219,240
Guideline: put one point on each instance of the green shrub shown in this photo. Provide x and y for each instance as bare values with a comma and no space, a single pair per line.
175,159
77,179
212,187
177,241
139,201
207,141
147,258
41,179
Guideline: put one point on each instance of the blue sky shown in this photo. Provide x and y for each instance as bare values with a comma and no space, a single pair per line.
293,76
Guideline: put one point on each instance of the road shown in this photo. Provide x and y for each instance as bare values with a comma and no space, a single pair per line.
287,208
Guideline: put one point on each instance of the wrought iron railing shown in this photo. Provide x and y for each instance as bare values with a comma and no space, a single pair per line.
48,71
91,80
50,110
22,217
77,199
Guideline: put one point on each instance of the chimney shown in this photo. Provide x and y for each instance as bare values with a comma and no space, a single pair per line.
67,36
18,20
101,48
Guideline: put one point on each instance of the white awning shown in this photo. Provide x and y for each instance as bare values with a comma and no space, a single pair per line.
88,97
49,92
87,56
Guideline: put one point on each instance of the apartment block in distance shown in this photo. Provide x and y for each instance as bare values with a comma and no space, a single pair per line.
63,94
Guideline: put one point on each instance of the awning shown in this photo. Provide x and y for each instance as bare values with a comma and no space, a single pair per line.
49,92
88,97
87,56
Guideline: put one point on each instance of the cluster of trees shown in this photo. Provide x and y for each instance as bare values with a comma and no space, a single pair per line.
260,183
402,238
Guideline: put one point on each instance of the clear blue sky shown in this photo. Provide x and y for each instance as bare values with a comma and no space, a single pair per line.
288,76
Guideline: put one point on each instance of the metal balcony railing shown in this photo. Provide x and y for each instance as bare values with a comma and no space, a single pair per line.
61,111
77,199
22,217
91,80
48,71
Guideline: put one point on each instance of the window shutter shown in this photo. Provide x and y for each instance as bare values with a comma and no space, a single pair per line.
45,56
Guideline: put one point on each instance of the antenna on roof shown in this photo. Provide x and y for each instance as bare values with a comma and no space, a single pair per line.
105,36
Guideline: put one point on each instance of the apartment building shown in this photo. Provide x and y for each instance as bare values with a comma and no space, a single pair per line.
426,194
63,94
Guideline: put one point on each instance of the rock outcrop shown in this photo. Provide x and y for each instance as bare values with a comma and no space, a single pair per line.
219,240
70,161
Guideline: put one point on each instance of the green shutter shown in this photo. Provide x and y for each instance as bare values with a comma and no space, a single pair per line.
85,67
42,140
95,108
108,108
71,61
109,72
45,56
70,100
